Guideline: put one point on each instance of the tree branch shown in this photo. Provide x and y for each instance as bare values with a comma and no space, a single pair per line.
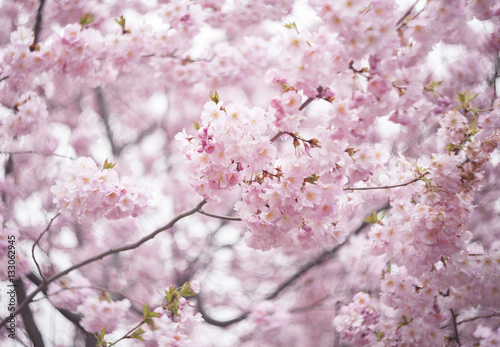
407,13
36,243
455,328
236,219
34,152
388,187
321,259
104,113
38,26
134,245
29,323
72,317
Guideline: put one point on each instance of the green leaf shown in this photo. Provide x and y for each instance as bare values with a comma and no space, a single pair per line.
291,25
312,179
100,338
471,97
214,97
196,125
108,165
121,21
431,87
186,290
372,219
404,322
145,309
86,19
138,334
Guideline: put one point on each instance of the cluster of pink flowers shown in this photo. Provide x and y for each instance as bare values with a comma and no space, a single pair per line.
100,314
292,208
87,193
70,292
285,111
175,330
269,317
356,321
28,113
487,336
229,147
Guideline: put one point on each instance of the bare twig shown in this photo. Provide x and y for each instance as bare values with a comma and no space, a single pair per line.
236,219
36,243
407,13
128,247
388,187
321,259
277,136
38,153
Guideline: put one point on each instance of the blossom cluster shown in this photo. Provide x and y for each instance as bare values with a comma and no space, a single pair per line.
87,193
268,317
100,314
172,324
229,147
25,117
357,320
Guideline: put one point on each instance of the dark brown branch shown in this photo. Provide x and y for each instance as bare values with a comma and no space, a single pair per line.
38,26
407,13
29,323
493,82
321,259
4,78
236,219
36,243
306,103
455,328
104,113
216,322
388,187
72,317
277,136
128,247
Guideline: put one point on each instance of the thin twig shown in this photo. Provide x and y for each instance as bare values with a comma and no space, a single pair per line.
4,78
407,13
127,335
311,306
38,153
277,136
306,103
36,243
236,219
128,247
388,187
101,289
321,259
